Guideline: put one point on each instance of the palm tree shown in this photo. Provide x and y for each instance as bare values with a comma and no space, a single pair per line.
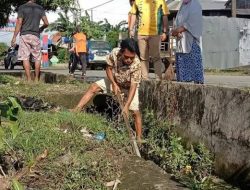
63,24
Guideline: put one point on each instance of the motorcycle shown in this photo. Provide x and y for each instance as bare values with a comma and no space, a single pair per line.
11,59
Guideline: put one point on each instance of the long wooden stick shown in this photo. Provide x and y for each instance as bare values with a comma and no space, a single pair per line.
126,119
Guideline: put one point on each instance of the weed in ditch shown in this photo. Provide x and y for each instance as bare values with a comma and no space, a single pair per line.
190,165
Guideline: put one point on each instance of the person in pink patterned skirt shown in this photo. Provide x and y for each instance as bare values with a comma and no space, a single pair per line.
28,21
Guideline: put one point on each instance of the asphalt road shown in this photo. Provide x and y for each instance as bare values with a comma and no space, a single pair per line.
216,79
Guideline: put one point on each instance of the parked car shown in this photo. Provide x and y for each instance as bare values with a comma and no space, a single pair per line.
97,52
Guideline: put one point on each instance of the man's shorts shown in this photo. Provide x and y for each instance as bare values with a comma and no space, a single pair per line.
29,44
106,86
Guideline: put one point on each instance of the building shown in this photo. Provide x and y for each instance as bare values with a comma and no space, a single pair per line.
225,40
209,8
243,8
215,8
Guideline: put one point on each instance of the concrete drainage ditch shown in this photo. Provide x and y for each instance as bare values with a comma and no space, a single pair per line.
154,96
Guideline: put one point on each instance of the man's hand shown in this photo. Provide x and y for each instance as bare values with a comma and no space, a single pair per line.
175,32
72,49
13,41
163,37
178,31
131,33
115,88
126,110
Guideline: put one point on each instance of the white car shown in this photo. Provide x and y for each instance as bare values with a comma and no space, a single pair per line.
97,52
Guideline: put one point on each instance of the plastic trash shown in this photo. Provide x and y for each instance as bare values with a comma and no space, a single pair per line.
100,136
54,60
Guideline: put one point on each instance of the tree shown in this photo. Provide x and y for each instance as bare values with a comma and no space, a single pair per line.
9,6
63,24
93,29
114,31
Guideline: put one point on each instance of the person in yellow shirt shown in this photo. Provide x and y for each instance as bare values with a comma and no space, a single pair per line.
131,2
80,51
152,28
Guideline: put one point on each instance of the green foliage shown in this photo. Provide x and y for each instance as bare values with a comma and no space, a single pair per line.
3,49
6,79
63,24
191,165
63,55
112,38
10,108
16,185
9,6
93,30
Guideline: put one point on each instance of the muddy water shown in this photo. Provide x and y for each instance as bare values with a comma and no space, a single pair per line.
138,174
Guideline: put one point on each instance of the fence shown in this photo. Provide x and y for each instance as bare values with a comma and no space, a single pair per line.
226,42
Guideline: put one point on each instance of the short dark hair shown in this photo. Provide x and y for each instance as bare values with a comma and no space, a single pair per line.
131,2
131,45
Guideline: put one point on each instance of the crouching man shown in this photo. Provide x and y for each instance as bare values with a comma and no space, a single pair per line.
123,76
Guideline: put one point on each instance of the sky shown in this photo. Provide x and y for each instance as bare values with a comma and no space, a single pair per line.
115,11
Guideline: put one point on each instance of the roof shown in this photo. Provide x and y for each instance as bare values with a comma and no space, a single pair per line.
174,5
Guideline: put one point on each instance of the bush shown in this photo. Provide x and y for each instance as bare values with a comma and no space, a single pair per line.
3,48
63,55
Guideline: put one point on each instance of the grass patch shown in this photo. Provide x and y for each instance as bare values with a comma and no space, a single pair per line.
7,79
11,86
234,72
74,161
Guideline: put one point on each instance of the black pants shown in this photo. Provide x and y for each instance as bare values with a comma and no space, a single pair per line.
83,61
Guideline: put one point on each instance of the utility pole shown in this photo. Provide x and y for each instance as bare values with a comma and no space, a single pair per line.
92,8
91,15
76,11
234,8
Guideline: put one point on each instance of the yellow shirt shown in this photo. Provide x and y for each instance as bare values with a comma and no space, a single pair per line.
148,14
80,42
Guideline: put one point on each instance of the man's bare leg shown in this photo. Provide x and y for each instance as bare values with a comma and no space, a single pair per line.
94,88
37,70
138,124
26,65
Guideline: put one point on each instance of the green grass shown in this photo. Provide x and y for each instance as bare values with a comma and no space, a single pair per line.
74,161
231,72
11,86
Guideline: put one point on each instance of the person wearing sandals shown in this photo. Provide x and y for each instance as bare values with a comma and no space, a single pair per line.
123,76
189,67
